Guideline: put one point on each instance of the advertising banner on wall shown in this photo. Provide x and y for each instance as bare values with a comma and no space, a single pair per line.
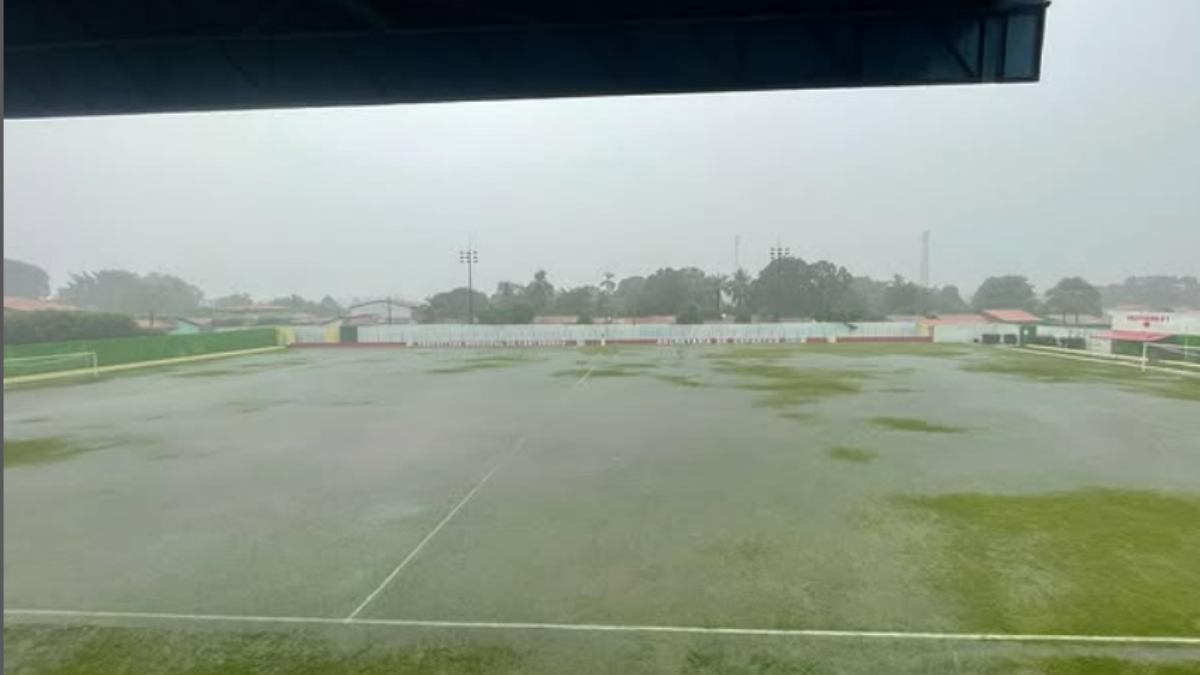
1174,323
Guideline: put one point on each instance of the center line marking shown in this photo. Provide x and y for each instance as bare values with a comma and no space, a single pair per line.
585,376
619,628
353,617
433,533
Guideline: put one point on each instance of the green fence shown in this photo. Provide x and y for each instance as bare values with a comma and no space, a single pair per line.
117,351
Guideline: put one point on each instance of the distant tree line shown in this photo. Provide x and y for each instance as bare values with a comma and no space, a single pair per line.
55,326
1156,292
155,294
787,288
25,280
130,293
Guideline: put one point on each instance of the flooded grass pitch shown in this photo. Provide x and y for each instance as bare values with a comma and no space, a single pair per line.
860,488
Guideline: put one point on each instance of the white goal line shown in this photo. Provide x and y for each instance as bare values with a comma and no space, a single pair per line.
610,628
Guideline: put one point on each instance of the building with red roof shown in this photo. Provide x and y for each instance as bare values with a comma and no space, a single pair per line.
1018,316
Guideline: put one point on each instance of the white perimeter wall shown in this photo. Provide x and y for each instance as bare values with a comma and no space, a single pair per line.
654,333
648,333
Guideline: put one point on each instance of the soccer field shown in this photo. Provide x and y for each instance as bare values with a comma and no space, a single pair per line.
728,509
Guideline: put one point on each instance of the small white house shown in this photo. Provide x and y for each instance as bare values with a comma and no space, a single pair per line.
386,310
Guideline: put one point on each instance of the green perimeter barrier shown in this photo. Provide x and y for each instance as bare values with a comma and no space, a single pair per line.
117,351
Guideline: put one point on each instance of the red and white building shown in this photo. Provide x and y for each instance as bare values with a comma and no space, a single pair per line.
1140,326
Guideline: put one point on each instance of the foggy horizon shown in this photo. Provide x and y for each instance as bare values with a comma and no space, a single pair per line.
1089,173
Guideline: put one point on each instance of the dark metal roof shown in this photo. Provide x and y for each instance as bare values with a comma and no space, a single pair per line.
88,57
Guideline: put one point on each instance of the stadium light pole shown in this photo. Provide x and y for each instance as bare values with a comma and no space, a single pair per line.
779,252
470,258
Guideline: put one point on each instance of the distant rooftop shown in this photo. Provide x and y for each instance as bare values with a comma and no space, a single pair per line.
1011,316
16,304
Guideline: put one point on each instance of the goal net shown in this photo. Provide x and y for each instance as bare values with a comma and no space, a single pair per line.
1171,354
82,363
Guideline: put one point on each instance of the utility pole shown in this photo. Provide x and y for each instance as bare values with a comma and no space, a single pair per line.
470,258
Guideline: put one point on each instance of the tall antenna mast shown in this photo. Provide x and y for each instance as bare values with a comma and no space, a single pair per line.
925,259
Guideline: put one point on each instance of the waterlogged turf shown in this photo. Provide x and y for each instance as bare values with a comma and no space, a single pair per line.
33,451
919,488
916,425
853,455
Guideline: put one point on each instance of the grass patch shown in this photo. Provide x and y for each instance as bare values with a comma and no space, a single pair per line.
489,362
1095,665
629,370
853,455
468,368
213,372
639,365
613,371
1089,562
1045,368
843,349
1049,369
680,380
720,661
247,407
76,650
784,386
915,424
35,451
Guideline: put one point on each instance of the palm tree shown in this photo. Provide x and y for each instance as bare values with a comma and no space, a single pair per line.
540,291
738,288
607,288
609,285
507,289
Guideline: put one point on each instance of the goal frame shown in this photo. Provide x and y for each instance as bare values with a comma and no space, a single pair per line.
90,358
1185,349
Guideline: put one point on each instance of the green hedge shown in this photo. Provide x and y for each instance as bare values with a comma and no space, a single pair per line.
55,326
133,350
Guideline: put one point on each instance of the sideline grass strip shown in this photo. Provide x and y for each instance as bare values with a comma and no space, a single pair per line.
113,650
1095,561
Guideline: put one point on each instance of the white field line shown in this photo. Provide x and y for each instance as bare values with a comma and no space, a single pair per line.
432,533
614,628
586,374
449,516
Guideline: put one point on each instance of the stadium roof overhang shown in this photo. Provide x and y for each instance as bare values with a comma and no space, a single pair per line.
1133,336
82,57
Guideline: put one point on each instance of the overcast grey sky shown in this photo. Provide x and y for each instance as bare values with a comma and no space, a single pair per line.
1094,171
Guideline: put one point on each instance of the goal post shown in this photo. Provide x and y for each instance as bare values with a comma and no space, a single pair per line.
1168,354
80,363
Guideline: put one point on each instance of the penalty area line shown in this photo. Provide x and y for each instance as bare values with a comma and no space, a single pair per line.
612,628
